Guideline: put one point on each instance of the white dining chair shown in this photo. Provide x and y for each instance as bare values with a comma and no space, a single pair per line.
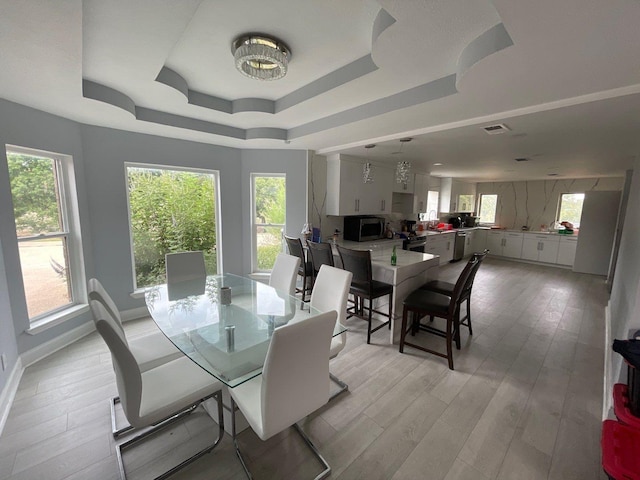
158,396
150,350
330,292
285,273
185,266
294,382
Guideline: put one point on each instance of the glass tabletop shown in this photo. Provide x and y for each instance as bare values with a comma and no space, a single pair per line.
224,323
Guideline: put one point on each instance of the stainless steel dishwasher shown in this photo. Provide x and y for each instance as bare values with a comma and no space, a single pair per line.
458,246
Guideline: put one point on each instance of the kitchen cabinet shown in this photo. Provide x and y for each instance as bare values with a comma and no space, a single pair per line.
506,244
469,242
441,244
512,245
494,241
567,250
540,247
420,192
480,240
347,194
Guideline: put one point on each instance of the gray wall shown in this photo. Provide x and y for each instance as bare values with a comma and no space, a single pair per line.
293,163
625,293
534,203
99,155
26,127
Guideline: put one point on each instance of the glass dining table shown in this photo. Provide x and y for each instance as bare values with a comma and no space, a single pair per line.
224,323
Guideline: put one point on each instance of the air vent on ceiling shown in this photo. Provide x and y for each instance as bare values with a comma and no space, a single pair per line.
496,129
522,159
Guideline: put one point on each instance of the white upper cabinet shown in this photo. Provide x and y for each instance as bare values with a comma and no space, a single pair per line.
420,192
347,194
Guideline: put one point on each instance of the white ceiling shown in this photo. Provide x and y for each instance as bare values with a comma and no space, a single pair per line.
563,76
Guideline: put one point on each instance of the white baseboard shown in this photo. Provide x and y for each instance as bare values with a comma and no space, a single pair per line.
134,313
41,351
609,380
9,392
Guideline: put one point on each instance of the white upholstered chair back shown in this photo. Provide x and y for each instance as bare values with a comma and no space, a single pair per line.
128,377
295,379
330,292
284,274
185,266
98,292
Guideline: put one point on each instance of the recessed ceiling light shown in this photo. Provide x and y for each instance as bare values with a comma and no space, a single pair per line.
437,164
371,145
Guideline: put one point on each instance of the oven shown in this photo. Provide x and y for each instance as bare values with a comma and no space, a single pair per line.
415,244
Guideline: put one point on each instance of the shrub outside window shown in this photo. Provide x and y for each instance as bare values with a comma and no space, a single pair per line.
488,207
268,219
171,210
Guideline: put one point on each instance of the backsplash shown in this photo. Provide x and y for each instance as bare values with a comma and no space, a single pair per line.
535,203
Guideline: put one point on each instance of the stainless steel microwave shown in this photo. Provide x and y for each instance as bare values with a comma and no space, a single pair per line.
363,228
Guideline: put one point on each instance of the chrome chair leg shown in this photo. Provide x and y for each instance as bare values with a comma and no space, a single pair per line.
168,421
343,386
235,440
307,440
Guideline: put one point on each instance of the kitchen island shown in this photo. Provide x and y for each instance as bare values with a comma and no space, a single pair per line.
412,270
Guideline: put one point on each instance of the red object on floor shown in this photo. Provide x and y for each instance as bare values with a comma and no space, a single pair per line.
621,406
620,450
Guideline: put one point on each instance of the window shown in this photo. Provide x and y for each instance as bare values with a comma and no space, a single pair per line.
465,203
570,209
48,243
488,206
171,210
268,219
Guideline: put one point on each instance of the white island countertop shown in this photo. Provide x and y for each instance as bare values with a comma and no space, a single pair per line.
412,270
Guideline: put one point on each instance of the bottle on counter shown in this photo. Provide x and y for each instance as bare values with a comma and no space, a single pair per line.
394,257
335,235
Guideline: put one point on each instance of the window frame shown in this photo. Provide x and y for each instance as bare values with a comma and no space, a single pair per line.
437,192
480,208
69,212
254,224
155,166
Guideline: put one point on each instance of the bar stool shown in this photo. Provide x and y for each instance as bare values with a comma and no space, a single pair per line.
321,254
446,288
424,302
358,262
294,244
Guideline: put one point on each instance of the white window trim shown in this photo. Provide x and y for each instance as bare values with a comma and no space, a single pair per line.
254,239
138,292
71,216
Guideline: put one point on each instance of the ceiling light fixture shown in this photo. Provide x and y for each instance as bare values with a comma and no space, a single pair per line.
261,57
367,176
403,167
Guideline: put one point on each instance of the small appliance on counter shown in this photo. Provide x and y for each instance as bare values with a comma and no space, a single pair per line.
362,228
456,222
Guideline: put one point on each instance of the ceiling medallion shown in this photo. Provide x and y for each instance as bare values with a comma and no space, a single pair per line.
261,57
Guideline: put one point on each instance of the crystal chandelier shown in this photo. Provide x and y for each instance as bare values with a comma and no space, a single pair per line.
402,172
261,57
366,173
403,167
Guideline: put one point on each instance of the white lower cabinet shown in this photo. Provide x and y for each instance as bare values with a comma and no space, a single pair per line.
441,244
567,250
540,247
512,245
494,242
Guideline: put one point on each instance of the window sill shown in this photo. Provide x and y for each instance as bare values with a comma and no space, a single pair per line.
57,318
139,293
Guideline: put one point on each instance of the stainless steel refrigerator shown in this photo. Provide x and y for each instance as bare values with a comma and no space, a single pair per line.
597,232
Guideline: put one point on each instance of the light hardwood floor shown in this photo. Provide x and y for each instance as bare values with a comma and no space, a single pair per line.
524,401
